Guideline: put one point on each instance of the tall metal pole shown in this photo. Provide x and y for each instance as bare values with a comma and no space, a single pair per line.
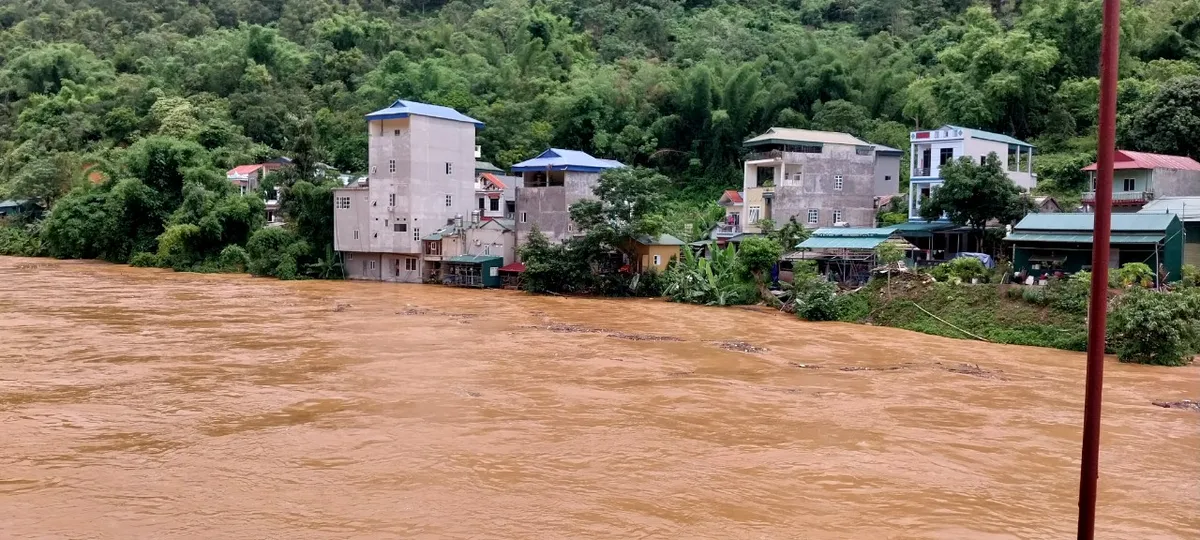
1098,305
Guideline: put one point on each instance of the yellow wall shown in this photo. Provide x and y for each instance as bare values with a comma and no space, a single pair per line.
646,257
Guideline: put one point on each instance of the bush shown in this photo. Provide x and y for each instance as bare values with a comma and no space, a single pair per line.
274,251
1190,276
234,259
20,241
1070,295
145,259
815,299
1131,274
1148,327
852,307
963,268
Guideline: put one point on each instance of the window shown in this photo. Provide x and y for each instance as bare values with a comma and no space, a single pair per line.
887,178
410,264
373,169
396,133
449,200
524,217
657,260
837,216
570,227
356,234
416,234
982,160
391,199
243,189
838,182
805,149
754,214
494,271
945,155
481,203
862,150
400,227
391,165
487,250
495,205
813,214
342,202
1128,184
372,265
449,168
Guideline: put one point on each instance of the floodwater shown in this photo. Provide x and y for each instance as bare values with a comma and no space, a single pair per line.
141,403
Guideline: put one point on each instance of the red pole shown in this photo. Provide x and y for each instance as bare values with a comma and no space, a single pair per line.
1098,305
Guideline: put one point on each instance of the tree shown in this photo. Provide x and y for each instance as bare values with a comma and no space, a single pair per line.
627,205
974,194
758,255
1148,327
889,254
1169,123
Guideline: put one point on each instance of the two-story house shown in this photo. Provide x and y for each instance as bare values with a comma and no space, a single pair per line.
822,178
422,177
1140,177
550,184
934,148
496,195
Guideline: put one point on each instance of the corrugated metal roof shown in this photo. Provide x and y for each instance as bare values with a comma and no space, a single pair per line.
495,181
734,197
806,136
1082,223
1126,159
841,242
558,159
403,109
1187,208
989,136
1077,238
662,240
487,166
475,259
243,169
881,149
854,232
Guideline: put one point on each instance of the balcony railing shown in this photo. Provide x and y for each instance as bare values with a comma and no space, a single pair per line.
1122,197
921,171
726,229
772,154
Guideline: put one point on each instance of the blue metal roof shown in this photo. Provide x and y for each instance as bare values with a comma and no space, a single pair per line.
854,232
989,136
557,159
403,109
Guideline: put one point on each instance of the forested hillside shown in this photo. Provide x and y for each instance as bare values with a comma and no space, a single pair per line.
129,85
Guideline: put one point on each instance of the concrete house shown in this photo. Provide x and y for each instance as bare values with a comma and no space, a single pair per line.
1052,243
421,178
550,184
482,238
1140,177
246,177
496,195
821,178
934,148
654,254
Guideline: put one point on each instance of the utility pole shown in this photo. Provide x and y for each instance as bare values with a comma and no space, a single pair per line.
1098,304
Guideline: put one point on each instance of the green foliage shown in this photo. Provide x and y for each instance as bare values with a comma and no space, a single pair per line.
758,255
1169,122
1147,327
1135,274
815,300
234,259
853,307
962,269
329,266
1190,276
20,240
276,252
717,281
974,194
145,259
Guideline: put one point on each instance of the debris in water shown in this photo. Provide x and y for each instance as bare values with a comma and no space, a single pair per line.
340,307
680,373
1187,405
413,311
869,368
973,370
563,328
642,337
741,346
804,366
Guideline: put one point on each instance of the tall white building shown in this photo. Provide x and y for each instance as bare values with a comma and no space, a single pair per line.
934,148
421,179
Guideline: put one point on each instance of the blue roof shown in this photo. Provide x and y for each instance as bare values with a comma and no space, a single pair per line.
557,159
989,136
403,109
854,232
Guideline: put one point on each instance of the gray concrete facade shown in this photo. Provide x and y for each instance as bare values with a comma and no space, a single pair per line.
887,173
549,207
806,184
421,177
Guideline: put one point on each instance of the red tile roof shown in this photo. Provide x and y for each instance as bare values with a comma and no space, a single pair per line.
243,169
733,196
495,181
1126,159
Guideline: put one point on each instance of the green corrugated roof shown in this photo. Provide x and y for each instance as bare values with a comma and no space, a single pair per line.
1078,238
475,259
1082,223
854,232
662,240
841,242
433,237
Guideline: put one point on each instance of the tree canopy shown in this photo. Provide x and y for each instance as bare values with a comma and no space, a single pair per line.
974,194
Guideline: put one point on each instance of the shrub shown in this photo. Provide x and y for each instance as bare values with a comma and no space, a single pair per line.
1131,274
1190,276
274,251
1034,295
963,268
1148,327
20,241
1070,295
234,259
852,307
145,259
815,299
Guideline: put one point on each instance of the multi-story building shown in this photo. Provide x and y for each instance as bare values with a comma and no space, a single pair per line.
822,178
934,148
421,178
1140,177
550,184
496,195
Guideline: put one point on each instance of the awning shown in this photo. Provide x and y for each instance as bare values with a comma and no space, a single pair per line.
921,228
1081,238
513,267
474,259
840,242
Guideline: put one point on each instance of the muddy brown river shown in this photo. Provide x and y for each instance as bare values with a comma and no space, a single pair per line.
142,403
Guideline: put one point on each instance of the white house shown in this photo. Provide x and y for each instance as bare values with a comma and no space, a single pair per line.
934,148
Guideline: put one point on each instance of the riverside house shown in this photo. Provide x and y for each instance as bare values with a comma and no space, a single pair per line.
1141,177
550,184
933,148
421,179
1047,244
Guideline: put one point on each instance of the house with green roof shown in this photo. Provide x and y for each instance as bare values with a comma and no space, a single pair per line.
655,253
1051,243
933,148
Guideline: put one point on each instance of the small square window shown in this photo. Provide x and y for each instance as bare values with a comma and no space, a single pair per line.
495,205
449,200
813,214
391,165
837,216
1129,184
449,168
887,178
400,227
838,182
657,260
396,133
410,264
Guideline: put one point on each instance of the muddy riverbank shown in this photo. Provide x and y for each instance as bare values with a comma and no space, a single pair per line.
141,403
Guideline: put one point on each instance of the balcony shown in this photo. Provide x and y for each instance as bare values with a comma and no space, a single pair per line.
725,230
759,156
1121,198
921,172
